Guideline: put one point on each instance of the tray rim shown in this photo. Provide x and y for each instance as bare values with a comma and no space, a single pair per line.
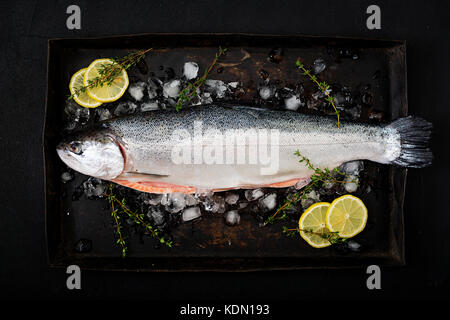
56,260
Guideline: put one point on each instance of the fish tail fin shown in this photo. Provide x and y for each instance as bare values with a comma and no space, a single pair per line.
415,135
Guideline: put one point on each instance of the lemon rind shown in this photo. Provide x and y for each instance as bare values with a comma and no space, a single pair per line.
332,205
75,97
302,233
93,96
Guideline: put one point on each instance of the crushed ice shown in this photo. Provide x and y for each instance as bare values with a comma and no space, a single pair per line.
149,106
293,103
94,188
171,89
125,108
190,70
253,194
173,202
217,87
136,90
103,114
232,218
191,213
266,92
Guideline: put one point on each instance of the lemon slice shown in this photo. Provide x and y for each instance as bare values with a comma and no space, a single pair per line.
313,220
347,215
76,82
106,92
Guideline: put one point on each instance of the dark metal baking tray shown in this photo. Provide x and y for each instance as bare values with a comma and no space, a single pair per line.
207,244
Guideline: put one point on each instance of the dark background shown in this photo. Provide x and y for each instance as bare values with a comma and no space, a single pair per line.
25,27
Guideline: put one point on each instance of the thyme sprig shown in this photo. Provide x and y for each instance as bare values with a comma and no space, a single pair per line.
190,91
319,178
118,231
109,72
332,237
323,86
136,217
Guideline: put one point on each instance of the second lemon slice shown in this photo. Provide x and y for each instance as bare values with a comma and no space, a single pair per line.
312,225
76,83
346,215
109,91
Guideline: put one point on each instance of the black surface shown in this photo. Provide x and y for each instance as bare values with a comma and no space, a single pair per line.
25,28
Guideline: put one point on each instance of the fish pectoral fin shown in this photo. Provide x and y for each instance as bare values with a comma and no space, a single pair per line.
142,175
154,186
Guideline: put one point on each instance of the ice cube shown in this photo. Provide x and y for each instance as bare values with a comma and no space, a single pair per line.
206,98
94,188
233,85
156,215
253,194
352,184
352,167
191,213
214,204
125,108
232,198
151,198
76,113
318,66
354,112
292,103
190,70
266,92
173,202
191,200
353,245
103,114
136,90
311,198
153,85
269,202
148,106
343,98
171,89
216,87
232,218
328,185
83,245
66,177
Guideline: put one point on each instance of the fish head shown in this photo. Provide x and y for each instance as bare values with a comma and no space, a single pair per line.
96,154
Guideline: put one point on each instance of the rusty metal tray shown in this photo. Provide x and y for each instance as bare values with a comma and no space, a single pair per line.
208,244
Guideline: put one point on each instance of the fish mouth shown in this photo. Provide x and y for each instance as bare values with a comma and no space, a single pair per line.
61,150
65,155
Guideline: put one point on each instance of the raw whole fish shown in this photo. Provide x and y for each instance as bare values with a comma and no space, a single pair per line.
222,147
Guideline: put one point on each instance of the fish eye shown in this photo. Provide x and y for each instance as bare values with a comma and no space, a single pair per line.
75,147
